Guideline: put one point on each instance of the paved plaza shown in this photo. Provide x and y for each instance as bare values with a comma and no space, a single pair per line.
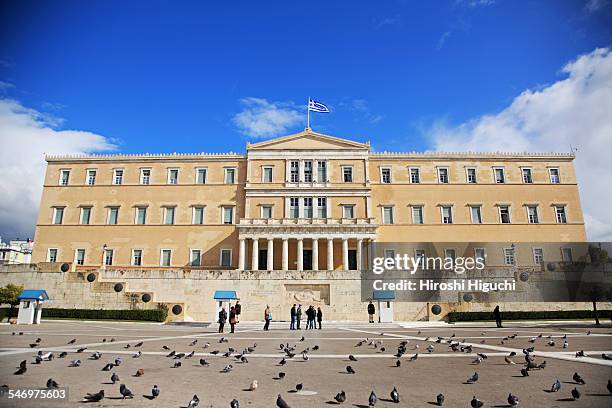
323,374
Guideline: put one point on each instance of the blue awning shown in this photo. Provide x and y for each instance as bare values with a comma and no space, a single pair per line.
225,295
383,295
33,294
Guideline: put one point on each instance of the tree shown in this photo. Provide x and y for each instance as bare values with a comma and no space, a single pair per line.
9,294
598,256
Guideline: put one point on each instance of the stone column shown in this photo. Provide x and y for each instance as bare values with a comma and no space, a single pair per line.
315,254
330,254
285,265
255,258
345,263
270,254
359,254
300,254
241,254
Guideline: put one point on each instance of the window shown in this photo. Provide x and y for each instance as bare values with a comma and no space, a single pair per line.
321,171
108,256
308,171
348,211
113,215
560,214
141,215
136,257
504,214
228,215
532,214
387,215
145,176
64,177
415,175
417,214
476,214
226,258
347,174
266,211
52,255
538,256
447,215
169,213
389,253
419,254
267,174
200,177
294,207
198,215
79,258
322,207
307,207
173,176
509,256
58,215
566,255
479,253
294,171
385,175
91,177
195,257
118,176
85,215
450,255
443,175
527,179
230,176
471,175
554,175
166,257
499,175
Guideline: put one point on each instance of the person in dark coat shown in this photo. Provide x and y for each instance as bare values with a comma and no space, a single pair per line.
222,319
497,314
293,317
371,311
232,318
319,316
298,316
238,309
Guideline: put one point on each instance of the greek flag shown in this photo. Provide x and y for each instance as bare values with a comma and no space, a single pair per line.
315,106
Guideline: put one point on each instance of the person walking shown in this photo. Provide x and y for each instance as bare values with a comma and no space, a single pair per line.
232,318
319,316
222,319
293,316
307,318
298,316
371,311
267,317
311,317
497,314
238,309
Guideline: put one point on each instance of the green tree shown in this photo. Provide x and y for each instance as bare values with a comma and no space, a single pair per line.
9,294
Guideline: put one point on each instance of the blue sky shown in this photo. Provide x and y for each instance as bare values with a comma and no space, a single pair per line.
187,76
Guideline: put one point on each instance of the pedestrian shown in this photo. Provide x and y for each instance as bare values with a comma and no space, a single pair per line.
267,317
319,316
293,316
298,316
222,319
308,318
371,311
497,314
311,317
238,309
232,318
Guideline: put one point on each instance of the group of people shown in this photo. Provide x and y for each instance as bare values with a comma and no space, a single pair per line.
312,315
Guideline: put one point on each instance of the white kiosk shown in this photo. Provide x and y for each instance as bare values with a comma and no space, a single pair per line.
30,306
385,300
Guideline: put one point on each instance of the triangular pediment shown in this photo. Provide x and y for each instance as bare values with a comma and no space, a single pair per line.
308,140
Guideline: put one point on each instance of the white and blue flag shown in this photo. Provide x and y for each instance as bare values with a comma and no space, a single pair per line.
315,106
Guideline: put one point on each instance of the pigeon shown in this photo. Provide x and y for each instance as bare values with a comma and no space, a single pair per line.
190,354
94,397
75,363
51,383
476,403
82,349
118,361
165,348
305,357
253,385
138,344
508,361
114,378
281,375
513,400
430,348
350,370
302,339
283,361
46,356
179,355
244,359
125,392
234,403
556,386
577,378
606,356
581,353
38,340
127,346
473,379
137,355
352,357
72,341
155,391
38,359
281,403
524,372
299,387
227,368
63,354
372,400
395,395
565,344
139,372
204,362
96,356
194,402
177,364
398,363
413,358
542,365
108,367
440,399
575,394
193,343
315,347
340,397
172,353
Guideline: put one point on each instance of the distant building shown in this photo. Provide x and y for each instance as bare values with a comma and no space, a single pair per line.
16,251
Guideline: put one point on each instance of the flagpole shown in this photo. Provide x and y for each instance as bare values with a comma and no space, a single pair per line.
308,114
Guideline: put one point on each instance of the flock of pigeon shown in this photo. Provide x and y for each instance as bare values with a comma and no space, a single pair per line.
291,352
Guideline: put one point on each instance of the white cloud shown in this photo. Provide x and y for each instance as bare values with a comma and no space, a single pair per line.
25,136
5,85
575,110
592,6
446,35
261,118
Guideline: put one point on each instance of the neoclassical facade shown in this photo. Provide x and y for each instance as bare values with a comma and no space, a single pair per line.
306,201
